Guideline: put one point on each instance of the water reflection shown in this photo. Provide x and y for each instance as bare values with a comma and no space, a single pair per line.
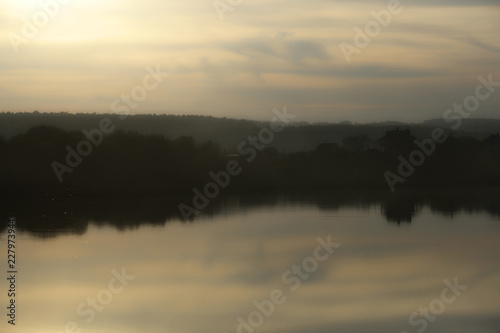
203,276
47,217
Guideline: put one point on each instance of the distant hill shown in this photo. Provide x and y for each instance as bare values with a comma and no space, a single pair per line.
229,133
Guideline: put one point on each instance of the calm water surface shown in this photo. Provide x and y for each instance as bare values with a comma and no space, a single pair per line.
213,274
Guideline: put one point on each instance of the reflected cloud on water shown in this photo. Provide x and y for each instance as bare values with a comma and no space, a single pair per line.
201,275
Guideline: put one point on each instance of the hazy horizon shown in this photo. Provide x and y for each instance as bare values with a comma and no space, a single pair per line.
261,120
84,55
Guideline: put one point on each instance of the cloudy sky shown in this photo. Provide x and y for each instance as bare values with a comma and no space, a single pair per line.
248,56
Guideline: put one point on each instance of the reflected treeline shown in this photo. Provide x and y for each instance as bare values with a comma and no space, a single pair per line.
51,216
403,205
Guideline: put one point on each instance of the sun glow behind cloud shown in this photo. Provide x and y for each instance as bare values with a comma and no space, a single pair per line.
264,54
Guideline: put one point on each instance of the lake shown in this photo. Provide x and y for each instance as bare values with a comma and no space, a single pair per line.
345,261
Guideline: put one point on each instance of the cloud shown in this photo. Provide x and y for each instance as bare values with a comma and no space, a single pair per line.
282,46
482,45
265,53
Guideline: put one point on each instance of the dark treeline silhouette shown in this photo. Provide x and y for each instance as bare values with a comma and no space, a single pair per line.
48,217
131,163
123,162
228,133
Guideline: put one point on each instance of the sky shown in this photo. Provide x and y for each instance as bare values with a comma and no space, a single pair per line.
242,58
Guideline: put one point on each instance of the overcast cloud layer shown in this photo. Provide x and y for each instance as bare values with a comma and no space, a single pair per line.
264,54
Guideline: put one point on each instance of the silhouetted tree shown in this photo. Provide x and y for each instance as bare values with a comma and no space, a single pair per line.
358,143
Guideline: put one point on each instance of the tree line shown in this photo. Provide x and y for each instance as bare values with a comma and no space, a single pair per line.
128,162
